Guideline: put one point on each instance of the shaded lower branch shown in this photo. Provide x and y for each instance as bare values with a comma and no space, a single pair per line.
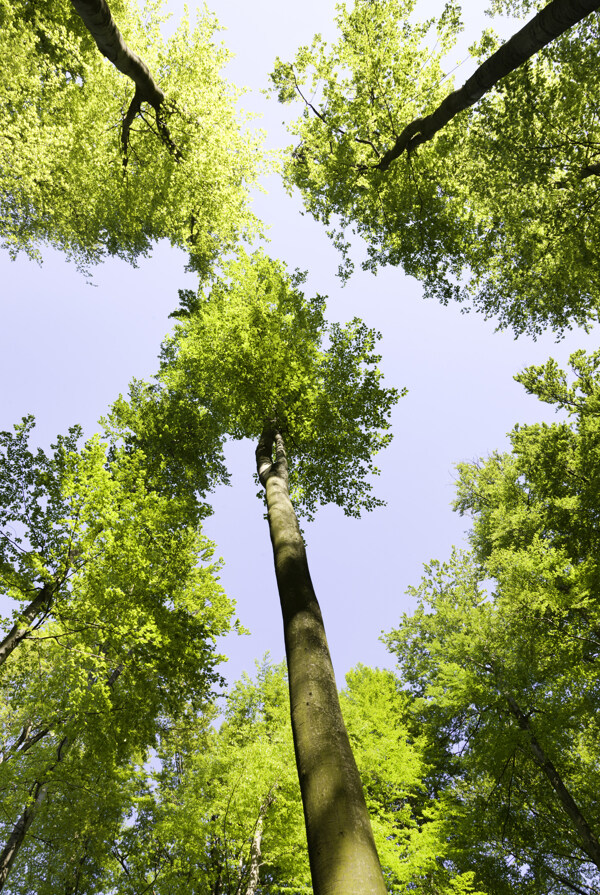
132,111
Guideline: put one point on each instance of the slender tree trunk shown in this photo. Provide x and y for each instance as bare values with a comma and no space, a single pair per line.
342,854
97,18
38,606
37,794
589,841
549,23
255,855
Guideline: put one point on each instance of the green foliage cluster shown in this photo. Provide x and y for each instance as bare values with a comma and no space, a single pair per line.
512,629
126,637
35,535
497,206
64,181
221,802
253,348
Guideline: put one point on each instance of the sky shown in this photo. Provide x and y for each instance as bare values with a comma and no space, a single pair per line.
70,347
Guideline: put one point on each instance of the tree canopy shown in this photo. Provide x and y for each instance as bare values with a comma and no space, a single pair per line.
502,652
497,205
250,347
71,178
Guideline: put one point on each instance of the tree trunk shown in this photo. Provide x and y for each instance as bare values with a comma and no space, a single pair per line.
589,841
38,606
255,855
37,795
342,854
97,18
549,23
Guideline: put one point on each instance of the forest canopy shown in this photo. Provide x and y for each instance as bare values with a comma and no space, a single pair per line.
496,206
128,763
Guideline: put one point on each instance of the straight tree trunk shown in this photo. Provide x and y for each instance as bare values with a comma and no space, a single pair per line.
255,856
548,24
589,842
341,849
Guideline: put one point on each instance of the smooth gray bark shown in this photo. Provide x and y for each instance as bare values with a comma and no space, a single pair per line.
548,24
341,849
255,856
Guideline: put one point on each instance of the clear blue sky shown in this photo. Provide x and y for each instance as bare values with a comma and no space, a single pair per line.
69,348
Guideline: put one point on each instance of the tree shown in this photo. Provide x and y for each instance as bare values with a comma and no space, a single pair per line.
247,352
221,811
508,681
92,173
551,22
125,634
497,205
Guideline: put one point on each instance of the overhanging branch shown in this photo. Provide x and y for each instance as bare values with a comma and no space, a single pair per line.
548,24
97,18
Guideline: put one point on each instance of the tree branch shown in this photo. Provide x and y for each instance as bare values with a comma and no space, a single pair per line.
542,29
591,170
39,605
588,840
97,18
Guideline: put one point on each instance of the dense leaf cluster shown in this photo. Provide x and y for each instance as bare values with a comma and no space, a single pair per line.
497,206
64,178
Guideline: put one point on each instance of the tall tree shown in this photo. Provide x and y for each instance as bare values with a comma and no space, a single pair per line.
250,351
498,204
125,635
93,173
509,679
221,810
